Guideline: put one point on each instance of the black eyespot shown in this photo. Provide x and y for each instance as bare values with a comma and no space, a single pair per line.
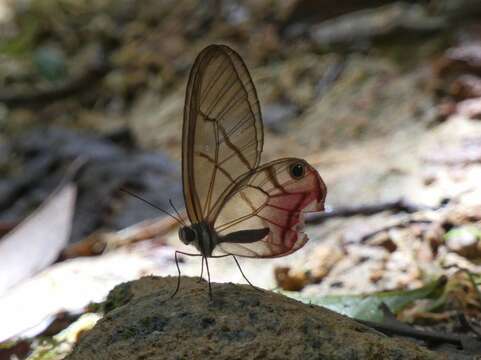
297,170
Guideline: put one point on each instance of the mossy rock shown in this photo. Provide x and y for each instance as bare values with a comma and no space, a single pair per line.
238,323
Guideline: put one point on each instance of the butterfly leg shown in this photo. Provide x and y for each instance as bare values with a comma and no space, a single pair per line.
243,275
201,270
208,277
178,269
178,276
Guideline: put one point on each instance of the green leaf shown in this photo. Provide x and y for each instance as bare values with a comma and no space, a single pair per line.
24,41
466,231
367,307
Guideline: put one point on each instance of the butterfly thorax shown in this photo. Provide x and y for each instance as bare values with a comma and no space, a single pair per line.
200,235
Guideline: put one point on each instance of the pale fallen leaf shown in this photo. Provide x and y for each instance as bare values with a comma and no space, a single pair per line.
28,308
99,242
37,241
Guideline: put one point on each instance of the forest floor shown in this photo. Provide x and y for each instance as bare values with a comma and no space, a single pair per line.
384,102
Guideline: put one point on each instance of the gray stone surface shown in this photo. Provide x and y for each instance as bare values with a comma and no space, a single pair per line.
239,323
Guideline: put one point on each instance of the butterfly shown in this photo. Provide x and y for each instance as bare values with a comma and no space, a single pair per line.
235,205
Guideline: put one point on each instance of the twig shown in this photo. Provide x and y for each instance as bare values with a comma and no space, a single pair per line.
406,330
400,205
464,320
391,325
398,225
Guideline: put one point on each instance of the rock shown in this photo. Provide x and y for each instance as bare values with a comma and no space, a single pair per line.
239,323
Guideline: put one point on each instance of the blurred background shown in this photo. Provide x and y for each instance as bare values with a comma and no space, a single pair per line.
382,97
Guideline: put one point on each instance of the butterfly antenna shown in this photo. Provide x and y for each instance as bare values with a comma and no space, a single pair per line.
152,204
175,210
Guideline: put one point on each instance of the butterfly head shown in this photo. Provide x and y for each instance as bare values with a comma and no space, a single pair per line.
200,235
187,235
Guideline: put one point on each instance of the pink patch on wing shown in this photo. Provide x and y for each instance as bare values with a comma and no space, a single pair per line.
283,213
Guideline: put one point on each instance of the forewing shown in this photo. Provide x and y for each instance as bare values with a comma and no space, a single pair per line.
222,134
269,199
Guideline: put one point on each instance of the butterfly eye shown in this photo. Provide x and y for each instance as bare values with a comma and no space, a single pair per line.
297,170
186,235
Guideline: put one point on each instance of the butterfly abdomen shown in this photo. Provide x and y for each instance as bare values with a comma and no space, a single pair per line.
205,238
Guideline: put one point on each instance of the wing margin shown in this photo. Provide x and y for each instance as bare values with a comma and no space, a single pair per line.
222,135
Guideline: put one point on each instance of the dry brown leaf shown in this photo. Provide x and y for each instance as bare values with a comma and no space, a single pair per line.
290,280
146,230
466,86
325,257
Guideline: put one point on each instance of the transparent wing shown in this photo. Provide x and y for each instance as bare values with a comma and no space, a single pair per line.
272,198
222,134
